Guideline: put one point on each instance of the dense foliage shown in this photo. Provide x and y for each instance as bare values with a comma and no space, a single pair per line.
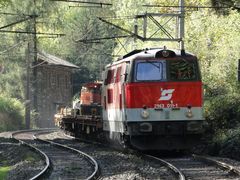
212,34
53,18
216,43
11,114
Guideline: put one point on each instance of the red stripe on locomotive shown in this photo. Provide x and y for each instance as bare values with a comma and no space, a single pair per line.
181,94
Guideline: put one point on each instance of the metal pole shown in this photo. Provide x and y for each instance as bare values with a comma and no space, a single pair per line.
135,32
181,24
35,59
27,100
239,70
145,26
100,70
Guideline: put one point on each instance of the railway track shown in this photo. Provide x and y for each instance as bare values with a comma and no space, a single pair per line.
178,174
204,168
62,162
24,137
117,165
151,167
195,167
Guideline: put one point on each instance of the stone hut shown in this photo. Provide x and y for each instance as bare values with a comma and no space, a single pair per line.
53,87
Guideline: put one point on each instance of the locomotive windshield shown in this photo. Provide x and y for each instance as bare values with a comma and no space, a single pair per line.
162,70
150,71
182,70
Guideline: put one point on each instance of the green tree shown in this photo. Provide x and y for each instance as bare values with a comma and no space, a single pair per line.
232,4
4,2
11,114
82,24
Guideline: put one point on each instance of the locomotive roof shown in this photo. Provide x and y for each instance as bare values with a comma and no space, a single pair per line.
149,53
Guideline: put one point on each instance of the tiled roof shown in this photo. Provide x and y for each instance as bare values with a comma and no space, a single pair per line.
53,60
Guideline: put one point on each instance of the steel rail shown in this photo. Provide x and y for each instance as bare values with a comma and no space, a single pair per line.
47,160
96,172
178,173
223,165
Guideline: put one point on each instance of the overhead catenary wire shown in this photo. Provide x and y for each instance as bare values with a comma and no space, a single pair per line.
12,47
14,14
155,21
229,5
172,6
122,45
162,26
84,2
131,34
122,29
89,30
19,21
30,32
102,38
85,6
192,7
117,17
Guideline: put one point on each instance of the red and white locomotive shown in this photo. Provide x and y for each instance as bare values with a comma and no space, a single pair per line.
151,100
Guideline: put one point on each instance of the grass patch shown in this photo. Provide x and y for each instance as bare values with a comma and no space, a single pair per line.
31,157
4,171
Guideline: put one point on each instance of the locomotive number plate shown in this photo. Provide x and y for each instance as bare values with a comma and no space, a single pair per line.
161,106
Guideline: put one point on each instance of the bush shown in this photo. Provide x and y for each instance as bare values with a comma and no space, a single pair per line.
11,114
226,143
230,147
223,112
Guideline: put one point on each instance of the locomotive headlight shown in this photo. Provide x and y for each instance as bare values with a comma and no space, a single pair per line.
165,53
145,114
189,113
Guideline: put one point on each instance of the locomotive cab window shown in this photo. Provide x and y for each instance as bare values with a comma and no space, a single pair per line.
149,70
110,77
118,74
182,70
